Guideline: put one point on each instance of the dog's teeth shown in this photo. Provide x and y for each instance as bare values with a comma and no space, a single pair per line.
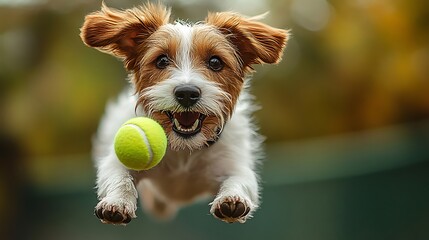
180,128
194,127
177,124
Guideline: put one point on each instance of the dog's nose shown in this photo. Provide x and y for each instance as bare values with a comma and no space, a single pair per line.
187,95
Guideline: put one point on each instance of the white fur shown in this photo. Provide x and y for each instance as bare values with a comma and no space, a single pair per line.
226,169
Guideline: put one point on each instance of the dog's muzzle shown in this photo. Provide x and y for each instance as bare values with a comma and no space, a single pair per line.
188,123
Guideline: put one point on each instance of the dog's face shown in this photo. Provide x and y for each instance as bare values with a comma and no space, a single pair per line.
187,77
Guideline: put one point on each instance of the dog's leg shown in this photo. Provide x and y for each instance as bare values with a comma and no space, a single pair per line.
238,196
116,192
116,189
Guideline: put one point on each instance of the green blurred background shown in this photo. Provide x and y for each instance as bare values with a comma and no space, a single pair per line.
346,115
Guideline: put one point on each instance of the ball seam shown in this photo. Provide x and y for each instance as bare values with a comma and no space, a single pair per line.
146,141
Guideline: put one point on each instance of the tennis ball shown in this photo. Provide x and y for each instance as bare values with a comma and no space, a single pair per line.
140,143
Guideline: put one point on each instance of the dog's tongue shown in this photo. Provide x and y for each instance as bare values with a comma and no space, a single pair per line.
187,119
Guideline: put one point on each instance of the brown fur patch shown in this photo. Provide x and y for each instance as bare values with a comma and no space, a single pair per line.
209,42
162,42
120,32
256,42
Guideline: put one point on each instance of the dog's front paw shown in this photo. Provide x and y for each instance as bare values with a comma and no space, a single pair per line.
231,209
115,211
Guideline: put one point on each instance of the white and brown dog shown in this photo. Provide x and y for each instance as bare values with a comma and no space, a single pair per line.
190,78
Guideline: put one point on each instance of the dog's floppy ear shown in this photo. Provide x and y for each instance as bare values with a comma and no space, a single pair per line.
255,42
119,32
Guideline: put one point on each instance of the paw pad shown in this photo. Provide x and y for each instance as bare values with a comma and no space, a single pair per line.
112,216
231,211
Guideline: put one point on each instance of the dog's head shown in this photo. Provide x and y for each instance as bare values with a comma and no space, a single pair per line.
187,77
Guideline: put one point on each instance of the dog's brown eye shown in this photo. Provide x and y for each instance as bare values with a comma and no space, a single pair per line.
162,62
215,64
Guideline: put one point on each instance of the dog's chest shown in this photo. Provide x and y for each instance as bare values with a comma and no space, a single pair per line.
184,176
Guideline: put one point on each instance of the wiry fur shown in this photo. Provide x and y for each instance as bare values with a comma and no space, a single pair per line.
192,168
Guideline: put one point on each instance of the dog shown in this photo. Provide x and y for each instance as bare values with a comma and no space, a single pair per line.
193,80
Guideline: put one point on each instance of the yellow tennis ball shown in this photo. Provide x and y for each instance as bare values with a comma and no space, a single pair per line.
140,143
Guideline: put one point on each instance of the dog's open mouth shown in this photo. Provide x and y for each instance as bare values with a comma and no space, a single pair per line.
186,124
